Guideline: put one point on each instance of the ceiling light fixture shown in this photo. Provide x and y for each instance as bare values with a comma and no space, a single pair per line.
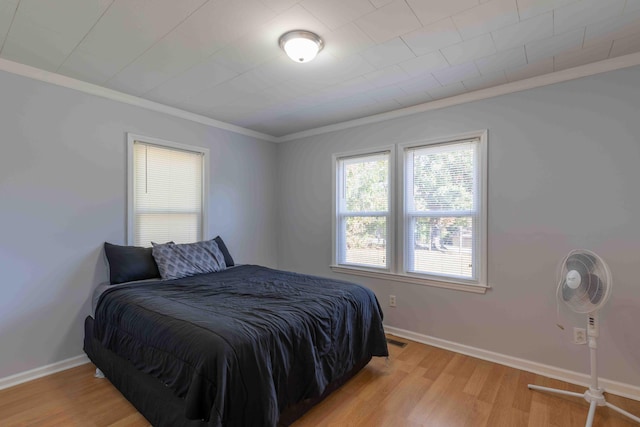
300,45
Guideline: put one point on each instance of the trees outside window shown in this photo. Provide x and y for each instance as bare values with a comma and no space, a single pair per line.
363,210
441,208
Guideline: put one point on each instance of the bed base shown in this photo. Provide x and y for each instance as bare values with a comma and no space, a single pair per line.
158,404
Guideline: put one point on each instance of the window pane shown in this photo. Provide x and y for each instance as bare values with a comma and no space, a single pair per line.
443,178
366,241
167,180
162,228
442,246
366,184
167,204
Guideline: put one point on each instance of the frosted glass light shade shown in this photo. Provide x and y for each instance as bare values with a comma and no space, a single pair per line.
301,46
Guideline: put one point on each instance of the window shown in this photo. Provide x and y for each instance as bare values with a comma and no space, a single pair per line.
441,207
167,189
440,215
363,204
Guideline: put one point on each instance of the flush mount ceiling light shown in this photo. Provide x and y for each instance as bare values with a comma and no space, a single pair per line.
300,45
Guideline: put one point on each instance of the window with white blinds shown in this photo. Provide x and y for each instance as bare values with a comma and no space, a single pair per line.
442,209
434,233
166,192
363,210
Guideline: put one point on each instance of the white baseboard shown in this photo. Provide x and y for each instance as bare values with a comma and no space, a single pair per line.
42,371
610,386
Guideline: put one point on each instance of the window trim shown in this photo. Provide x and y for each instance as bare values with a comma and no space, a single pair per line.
397,269
410,278
131,139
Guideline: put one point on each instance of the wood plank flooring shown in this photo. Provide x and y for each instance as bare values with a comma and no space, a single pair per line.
419,386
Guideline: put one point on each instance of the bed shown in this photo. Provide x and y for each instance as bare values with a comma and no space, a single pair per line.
246,346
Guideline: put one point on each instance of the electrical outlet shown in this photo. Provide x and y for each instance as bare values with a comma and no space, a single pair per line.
579,336
392,300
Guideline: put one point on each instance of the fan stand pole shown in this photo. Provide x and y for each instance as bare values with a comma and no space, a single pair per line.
594,395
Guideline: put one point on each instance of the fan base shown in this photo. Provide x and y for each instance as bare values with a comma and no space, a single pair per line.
595,397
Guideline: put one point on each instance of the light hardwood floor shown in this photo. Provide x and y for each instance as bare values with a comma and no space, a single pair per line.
419,386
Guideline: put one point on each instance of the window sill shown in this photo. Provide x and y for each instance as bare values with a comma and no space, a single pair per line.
465,287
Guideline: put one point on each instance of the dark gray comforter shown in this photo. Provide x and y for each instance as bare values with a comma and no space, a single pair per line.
242,344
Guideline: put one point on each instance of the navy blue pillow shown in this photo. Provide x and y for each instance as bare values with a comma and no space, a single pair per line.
129,263
223,248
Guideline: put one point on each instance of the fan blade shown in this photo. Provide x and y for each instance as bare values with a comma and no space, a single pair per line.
582,263
595,289
567,292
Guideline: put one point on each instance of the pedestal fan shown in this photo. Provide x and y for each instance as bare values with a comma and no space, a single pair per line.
585,286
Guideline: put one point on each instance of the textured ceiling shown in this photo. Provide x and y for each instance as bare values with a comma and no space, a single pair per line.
220,58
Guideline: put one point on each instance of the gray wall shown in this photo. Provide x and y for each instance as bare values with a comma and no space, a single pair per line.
63,193
564,173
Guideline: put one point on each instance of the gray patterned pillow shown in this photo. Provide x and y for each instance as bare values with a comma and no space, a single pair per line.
176,261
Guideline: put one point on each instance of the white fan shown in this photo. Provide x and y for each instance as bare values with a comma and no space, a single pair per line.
585,286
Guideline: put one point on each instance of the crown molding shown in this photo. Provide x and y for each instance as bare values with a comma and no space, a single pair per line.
517,86
92,89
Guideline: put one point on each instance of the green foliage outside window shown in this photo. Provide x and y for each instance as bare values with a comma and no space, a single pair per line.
367,190
442,181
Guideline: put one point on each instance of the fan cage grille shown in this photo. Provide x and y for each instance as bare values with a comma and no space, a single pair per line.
595,285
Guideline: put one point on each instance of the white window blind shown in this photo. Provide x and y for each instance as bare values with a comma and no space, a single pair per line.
167,194
363,210
442,209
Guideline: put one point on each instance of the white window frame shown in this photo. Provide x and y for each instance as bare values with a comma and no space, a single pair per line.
337,235
131,139
479,224
397,245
